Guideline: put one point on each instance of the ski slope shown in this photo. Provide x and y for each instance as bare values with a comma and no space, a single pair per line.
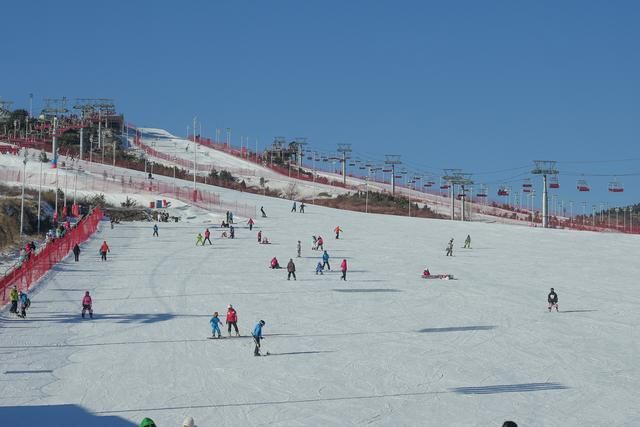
383,348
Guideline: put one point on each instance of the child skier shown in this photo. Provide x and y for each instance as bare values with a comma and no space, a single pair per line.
426,273
257,337
232,232
293,209
319,268
302,206
299,248
199,240
25,302
215,325
325,260
264,214
291,269
337,230
320,243
450,248
315,243
15,295
207,235
155,230
232,320
104,248
87,305
552,299
343,268
260,236
250,222
467,242
274,263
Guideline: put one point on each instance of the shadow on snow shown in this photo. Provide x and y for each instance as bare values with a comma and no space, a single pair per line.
509,388
57,416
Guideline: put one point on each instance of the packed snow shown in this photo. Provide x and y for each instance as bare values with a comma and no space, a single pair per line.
386,347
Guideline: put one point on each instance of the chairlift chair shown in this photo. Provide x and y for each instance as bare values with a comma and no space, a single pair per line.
553,182
615,187
583,186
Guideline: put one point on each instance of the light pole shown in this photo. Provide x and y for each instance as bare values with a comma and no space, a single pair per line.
195,161
39,195
24,176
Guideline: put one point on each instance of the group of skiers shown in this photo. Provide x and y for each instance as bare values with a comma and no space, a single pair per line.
19,297
449,248
232,322
302,206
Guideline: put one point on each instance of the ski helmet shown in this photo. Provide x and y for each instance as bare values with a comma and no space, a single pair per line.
262,322
147,422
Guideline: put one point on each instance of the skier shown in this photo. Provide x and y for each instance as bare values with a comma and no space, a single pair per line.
230,217
467,242
291,268
199,239
155,230
274,263
76,252
299,248
426,273
450,248
337,230
319,268
343,268
104,248
315,243
232,232
232,320
215,322
302,205
257,337
207,235
264,215
25,302
325,260
14,300
87,304
293,209
320,243
250,222
260,236
552,299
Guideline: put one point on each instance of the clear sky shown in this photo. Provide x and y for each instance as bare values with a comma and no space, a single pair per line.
484,86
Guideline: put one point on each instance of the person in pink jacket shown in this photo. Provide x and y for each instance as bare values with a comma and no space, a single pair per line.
86,305
343,268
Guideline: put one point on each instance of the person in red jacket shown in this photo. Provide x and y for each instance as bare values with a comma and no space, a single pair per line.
343,268
250,222
103,250
207,234
232,319
86,305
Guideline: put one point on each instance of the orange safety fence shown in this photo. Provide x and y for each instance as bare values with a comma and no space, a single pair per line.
26,274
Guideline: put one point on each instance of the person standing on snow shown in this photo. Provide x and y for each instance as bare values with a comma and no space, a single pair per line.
320,243
14,296
257,337
215,325
315,243
250,222
199,240
155,230
325,260
104,248
293,209
87,304
232,232
343,268
24,304
291,269
232,320
264,214
76,252
299,249
260,236
207,235
552,299
467,242
302,206
337,230
319,268
450,248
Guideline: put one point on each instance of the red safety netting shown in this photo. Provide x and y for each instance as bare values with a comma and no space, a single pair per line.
31,270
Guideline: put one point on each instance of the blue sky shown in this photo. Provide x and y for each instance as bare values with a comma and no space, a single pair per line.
480,85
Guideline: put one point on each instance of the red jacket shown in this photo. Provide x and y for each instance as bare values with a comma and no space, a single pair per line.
207,233
104,247
343,265
86,300
232,316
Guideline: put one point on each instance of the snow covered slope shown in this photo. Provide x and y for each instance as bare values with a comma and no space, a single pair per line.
385,347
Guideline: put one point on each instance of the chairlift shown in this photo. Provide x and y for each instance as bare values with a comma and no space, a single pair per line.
482,191
527,183
553,182
503,191
583,186
616,187
387,170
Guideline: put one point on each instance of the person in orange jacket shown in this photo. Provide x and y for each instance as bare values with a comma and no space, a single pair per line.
337,230
103,250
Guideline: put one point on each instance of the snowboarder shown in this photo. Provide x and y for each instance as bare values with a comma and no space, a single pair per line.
337,230
299,249
260,236
199,240
467,242
232,320
552,299
87,304
14,300
25,302
343,268
293,209
104,248
325,260
232,232
207,235
319,268
76,252
320,243
302,206
264,215
257,337
250,222
155,230
215,325
291,269
450,248
274,263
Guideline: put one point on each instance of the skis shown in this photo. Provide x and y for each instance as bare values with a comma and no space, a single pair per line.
439,276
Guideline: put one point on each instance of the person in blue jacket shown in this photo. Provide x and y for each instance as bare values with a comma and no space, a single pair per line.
155,230
319,268
257,336
325,260
215,325
24,304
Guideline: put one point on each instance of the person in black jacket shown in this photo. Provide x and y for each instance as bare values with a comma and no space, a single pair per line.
76,252
552,299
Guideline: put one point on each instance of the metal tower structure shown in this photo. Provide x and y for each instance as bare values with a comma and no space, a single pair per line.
53,107
345,149
300,142
392,160
544,168
457,177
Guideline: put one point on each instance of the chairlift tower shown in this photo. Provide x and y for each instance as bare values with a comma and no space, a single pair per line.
300,142
544,168
392,160
453,177
345,149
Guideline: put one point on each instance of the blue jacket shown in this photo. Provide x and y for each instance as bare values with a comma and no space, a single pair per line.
257,331
325,257
215,321
23,298
155,228
319,267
